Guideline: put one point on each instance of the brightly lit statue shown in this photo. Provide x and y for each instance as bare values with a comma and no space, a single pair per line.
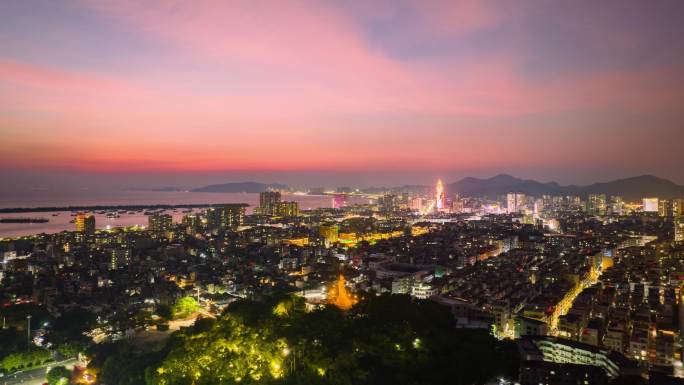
440,196
338,295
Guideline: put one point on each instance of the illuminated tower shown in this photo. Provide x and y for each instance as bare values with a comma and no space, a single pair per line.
85,223
440,196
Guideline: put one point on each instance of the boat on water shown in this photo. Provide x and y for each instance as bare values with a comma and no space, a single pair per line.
112,215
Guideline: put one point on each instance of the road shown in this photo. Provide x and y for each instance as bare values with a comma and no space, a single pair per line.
35,376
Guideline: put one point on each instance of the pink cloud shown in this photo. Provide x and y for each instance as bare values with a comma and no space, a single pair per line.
26,74
312,57
306,67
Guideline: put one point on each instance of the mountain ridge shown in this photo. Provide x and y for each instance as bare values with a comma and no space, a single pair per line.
631,188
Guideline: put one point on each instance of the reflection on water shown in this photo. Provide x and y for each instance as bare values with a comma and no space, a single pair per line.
60,221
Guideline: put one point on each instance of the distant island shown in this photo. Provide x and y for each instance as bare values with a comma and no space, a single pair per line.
238,187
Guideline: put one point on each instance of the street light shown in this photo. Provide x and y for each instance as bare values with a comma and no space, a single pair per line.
28,331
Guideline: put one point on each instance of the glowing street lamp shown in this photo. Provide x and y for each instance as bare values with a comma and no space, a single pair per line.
28,331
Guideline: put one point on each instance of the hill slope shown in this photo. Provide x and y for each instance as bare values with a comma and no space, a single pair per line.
629,188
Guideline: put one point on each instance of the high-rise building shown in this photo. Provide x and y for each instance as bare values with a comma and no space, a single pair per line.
678,206
596,204
617,205
159,222
191,222
416,204
403,201
85,223
664,208
515,202
574,202
440,196
267,202
650,205
457,205
679,228
329,232
225,216
388,203
119,257
285,209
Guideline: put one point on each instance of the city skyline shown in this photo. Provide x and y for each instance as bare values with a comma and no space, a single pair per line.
389,92
341,192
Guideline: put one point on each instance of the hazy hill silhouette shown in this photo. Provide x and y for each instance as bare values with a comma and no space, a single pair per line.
630,188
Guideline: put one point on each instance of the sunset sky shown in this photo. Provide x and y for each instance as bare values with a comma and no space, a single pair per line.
378,92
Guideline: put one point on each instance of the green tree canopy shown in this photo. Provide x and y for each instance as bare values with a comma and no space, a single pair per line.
184,307
59,375
25,359
383,340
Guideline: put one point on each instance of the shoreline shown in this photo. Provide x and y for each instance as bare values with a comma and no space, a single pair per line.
14,210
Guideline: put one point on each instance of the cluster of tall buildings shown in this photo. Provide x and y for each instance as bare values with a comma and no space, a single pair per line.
159,222
227,216
435,202
270,203
599,204
668,208
515,202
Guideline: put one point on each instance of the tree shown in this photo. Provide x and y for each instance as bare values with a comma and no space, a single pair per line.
383,340
69,349
20,360
164,311
59,375
71,325
13,340
119,363
184,307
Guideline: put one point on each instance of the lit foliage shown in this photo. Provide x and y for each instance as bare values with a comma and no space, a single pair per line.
229,351
59,375
383,340
21,360
184,307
